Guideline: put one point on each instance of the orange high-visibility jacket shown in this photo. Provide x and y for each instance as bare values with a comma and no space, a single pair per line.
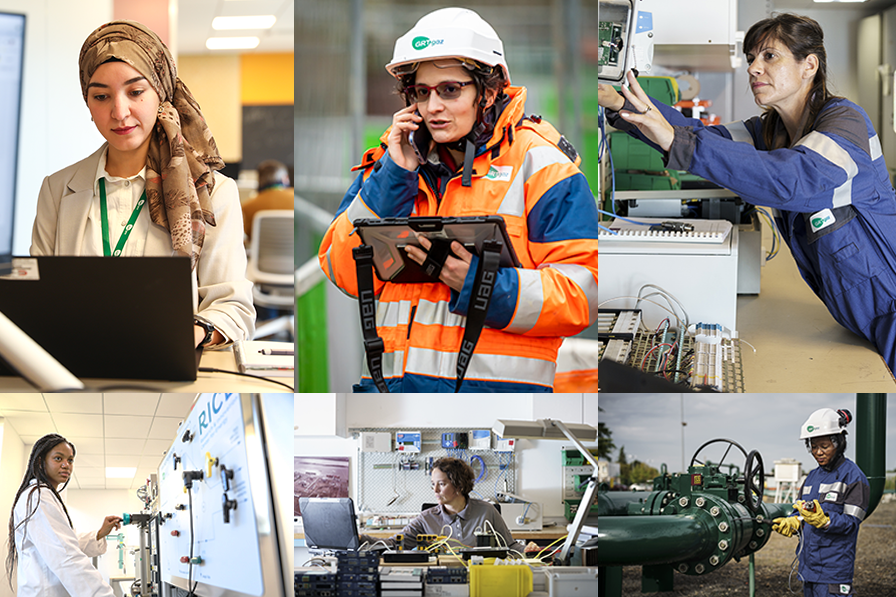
551,219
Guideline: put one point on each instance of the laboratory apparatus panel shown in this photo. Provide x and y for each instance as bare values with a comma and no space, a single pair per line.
221,516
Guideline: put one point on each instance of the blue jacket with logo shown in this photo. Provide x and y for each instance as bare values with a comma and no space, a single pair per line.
829,555
835,204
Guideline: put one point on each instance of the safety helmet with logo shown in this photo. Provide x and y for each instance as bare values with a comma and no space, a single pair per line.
825,421
449,33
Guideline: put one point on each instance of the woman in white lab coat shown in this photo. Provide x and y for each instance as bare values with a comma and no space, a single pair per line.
48,558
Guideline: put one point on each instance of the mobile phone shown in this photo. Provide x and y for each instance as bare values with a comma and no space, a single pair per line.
420,141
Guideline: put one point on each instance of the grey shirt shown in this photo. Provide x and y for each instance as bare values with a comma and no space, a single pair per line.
463,526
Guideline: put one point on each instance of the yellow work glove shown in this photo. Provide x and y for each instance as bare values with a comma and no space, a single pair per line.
787,525
817,519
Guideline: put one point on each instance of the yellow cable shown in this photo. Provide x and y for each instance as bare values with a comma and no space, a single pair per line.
538,556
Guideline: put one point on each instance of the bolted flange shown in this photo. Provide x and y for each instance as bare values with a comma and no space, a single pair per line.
723,545
714,560
682,568
715,511
699,568
760,532
723,527
700,502
753,545
683,502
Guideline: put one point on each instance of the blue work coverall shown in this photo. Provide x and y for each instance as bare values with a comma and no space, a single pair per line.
828,556
835,205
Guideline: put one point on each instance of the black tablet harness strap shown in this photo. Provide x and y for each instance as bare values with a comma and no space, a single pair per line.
373,344
480,299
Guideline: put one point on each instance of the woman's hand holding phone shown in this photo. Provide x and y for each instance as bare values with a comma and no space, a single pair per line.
400,150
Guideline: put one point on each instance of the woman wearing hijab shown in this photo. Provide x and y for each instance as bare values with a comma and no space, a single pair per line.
45,555
159,153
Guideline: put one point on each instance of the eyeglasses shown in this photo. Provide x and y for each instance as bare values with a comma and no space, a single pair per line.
816,448
447,90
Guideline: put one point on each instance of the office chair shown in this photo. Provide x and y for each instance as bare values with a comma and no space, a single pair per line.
272,269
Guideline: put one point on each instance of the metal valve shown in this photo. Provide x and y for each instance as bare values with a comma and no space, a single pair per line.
228,505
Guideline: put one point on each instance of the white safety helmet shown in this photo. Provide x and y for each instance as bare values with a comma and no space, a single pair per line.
825,421
448,33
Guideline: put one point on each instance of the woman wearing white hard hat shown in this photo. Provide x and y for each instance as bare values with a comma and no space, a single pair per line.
484,156
833,501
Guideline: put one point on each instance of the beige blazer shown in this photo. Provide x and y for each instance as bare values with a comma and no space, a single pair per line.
222,294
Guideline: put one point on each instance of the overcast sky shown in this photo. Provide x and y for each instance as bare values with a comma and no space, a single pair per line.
649,425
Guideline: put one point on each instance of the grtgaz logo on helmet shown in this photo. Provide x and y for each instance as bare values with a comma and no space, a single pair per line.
810,428
423,42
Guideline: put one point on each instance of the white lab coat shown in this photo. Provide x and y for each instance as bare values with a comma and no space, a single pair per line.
53,561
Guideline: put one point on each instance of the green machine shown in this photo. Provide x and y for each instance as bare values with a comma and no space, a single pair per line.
694,523
636,165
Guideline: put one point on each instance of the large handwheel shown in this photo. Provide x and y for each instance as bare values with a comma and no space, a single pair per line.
754,481
717,441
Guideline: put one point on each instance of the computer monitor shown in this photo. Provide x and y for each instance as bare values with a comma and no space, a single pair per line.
12,43
329,523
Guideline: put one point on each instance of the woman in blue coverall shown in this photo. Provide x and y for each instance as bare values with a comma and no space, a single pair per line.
812,156
833,502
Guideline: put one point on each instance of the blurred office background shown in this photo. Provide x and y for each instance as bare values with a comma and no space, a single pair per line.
346,99
245,90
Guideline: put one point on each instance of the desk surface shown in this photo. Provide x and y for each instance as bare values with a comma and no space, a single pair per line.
550,533
799,346
205,382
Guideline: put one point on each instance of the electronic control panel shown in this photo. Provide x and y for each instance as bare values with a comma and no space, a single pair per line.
208,532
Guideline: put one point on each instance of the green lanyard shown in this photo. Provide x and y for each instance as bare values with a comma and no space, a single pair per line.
104,215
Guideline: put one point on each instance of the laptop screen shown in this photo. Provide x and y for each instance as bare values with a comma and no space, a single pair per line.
12,43
108,317
329,523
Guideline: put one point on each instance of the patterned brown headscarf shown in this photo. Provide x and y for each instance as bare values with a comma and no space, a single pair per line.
182,153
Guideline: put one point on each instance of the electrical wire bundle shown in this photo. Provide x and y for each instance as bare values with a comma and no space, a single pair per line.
503,467
776,236
604,147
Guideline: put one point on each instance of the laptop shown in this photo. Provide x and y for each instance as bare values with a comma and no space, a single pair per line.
108,317
329,523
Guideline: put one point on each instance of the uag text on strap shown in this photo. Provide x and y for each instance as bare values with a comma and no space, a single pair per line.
382,250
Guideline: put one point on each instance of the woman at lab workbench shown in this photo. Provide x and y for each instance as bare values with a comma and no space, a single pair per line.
158,152
813,156
457,514
46,556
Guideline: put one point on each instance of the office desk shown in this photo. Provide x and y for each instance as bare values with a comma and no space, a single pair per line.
205,382
550,533
800,348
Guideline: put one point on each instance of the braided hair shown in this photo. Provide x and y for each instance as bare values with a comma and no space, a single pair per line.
36,471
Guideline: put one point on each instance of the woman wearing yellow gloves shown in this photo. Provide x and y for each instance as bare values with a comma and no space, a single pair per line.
834,498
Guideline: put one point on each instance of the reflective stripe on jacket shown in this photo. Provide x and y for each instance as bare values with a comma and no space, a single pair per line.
829,555
835,204
551,219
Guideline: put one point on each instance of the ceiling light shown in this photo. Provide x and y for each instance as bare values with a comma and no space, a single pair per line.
121,472
250,22
231,43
